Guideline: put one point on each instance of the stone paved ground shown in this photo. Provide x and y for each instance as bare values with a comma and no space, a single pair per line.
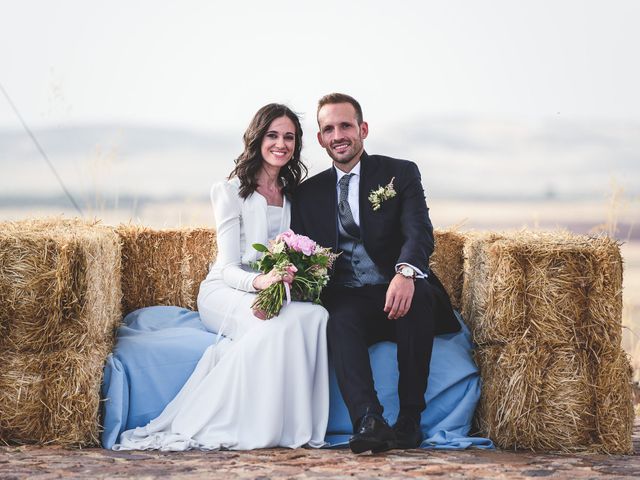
53,462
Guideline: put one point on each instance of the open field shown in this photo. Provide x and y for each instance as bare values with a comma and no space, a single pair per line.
579,216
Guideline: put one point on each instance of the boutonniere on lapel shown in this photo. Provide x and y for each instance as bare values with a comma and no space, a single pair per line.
379,195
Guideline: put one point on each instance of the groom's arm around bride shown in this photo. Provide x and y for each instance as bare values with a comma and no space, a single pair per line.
372,209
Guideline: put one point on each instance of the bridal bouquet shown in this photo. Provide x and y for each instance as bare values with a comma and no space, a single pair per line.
292,253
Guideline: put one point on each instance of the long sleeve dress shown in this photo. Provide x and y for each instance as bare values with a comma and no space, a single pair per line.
265,383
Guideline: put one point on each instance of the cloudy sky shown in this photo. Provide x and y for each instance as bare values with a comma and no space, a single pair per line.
210,64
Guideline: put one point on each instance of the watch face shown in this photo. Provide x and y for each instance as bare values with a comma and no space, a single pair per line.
406,271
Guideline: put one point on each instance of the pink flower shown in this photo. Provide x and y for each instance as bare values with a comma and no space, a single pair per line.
304,244
298,243
286,236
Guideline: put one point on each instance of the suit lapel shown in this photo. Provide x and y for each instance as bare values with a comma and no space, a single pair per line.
368,170
329,218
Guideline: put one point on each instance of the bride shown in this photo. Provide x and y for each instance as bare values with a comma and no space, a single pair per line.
264,383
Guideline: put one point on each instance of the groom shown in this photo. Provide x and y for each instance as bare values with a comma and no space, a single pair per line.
372,209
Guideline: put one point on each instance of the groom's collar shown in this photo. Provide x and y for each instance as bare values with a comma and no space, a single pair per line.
339,173
355,170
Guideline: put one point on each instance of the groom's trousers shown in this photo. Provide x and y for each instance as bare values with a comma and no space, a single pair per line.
356,321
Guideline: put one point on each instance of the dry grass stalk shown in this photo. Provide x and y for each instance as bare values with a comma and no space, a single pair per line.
59,295
164,267
447,262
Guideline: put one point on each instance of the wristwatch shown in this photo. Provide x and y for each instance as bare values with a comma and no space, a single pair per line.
407,272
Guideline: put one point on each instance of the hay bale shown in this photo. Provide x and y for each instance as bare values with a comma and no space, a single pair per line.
72,395
546,311
164,267
200,249
447,262
604,302
59,284
614,412
555,398
22,414
535,397
493,290
59,296
556,288
51,397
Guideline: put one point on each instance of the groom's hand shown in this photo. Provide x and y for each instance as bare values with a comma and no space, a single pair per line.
399,297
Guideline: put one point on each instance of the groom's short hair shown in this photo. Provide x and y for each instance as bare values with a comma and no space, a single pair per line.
332,98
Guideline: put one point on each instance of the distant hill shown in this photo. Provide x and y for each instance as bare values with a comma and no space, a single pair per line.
458,157
115,160
505,159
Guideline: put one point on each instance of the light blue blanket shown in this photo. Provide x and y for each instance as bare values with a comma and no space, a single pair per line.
158,347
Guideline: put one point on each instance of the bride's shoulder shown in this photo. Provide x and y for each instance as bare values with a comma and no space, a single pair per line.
226,186
225,190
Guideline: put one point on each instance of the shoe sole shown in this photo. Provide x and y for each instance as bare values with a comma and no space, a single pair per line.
376,446
407,446
386,446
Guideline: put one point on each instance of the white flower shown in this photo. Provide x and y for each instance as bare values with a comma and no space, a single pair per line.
320,272
379,195
277,247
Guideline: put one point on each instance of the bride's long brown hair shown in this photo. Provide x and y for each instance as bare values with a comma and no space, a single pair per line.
249,162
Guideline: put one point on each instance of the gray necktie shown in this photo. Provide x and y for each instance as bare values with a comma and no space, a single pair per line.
344,210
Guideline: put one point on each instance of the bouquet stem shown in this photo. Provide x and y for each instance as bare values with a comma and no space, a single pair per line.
270,300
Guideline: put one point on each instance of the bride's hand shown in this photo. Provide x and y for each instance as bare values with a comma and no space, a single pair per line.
265,280
259,314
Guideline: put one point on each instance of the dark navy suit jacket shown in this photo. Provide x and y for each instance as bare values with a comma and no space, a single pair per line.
399,232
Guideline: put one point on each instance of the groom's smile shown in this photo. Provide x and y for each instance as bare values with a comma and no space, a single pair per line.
340,147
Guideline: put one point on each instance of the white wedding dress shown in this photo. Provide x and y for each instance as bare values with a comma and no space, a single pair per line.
265,383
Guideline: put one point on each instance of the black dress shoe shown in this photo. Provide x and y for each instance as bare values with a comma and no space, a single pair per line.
372,433
408,432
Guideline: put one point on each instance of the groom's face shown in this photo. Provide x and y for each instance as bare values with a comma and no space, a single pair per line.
340,133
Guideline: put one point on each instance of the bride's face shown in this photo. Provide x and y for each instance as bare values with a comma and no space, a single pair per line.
279,142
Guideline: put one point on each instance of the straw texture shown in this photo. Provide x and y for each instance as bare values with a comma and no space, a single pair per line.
557,287
447,262
545,310
59,306
164,267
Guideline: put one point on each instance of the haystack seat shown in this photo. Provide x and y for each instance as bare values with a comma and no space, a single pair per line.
544,309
